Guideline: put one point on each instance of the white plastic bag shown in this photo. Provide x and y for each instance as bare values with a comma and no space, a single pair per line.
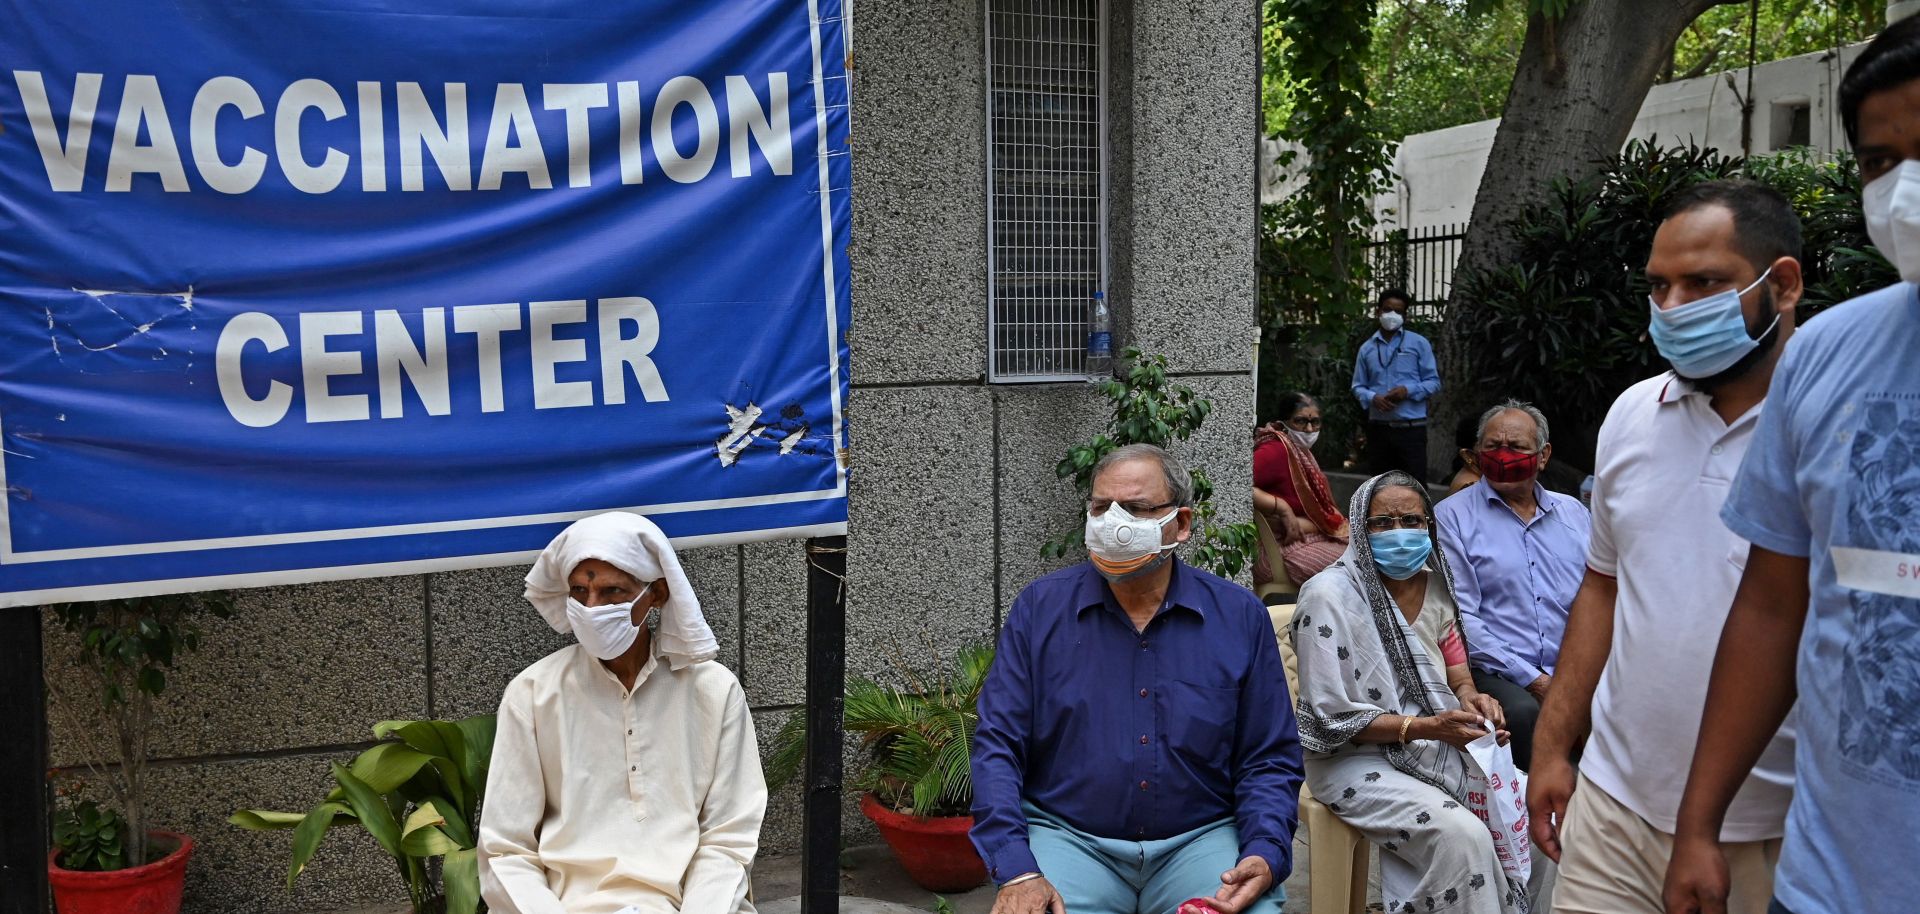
1497,793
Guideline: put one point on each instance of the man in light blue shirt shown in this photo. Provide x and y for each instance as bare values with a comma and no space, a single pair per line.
1828,610
1394,376
1518,554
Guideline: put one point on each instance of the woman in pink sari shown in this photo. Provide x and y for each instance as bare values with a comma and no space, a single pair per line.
1291,493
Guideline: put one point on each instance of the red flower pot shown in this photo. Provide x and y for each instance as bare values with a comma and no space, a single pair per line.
935,852
150,889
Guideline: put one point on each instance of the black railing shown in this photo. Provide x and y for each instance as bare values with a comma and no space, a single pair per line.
1419,261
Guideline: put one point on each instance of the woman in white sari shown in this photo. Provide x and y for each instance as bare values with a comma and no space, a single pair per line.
1386,703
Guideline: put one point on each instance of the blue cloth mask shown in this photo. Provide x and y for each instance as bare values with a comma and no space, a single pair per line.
1400,554
1703,338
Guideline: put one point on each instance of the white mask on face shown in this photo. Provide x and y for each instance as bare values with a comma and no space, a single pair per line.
1304,439
1391,321
1123,546
1892,207
607,631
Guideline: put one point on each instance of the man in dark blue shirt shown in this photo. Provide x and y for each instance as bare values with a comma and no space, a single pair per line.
1137,745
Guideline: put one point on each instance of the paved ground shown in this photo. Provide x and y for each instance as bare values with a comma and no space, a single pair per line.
871,882
870,873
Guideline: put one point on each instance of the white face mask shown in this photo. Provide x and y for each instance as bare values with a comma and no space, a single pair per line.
1892,207
1391,321
1123,546
1304,439
607,631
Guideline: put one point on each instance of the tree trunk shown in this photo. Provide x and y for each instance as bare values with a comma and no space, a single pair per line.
1576,92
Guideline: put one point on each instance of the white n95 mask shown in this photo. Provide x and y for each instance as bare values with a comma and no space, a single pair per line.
1123,546
1892,207
607,631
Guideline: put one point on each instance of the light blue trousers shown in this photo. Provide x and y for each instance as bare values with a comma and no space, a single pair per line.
1105,876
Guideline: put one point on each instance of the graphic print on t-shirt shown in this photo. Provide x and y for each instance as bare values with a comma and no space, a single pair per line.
1881,676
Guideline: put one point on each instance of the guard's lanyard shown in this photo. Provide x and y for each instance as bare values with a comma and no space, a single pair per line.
1386,358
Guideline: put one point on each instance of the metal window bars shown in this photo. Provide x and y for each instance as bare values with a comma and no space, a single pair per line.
1046,184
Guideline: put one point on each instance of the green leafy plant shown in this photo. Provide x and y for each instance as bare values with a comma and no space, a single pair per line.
90,838
1564,323
1840,260
918,739
1313,275
417,793
125,649
1150,409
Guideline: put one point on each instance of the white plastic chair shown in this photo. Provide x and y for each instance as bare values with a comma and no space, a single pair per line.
1336,852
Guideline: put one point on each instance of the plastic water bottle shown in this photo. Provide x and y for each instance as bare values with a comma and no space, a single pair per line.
1100,341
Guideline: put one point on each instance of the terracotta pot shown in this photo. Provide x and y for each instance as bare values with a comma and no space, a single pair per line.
153,888
935,852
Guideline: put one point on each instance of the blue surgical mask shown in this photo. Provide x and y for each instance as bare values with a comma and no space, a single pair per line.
1703,338
1400,554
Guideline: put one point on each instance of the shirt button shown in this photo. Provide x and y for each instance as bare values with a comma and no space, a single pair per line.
634,768
1143,739
1143,643
1143,785
1143,693
1717,448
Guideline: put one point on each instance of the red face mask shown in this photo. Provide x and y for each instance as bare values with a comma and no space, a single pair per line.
1504,464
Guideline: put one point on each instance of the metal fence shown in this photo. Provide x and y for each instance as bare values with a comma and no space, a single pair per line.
1046,183
1418,261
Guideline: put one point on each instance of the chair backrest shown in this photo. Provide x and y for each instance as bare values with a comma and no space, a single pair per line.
1282,616
1276,560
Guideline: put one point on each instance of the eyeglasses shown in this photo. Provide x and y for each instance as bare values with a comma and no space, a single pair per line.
1381,523
1306,424
1099,506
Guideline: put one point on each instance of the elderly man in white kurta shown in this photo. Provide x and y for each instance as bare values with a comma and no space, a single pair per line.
625,775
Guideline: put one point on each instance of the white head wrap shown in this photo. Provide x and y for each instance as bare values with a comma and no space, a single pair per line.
634,545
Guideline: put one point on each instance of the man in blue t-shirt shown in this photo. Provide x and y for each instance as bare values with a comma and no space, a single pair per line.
1828,610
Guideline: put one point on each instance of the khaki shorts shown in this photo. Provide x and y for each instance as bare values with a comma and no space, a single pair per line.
1614,862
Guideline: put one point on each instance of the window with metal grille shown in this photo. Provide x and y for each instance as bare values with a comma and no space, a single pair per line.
1046,184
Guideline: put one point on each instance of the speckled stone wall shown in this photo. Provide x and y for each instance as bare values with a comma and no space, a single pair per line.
952,479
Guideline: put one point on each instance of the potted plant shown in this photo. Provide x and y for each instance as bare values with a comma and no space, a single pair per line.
107,859
918,788
418,795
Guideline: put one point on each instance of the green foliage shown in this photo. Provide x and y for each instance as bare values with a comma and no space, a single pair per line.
417,793
1564,323
90,838
1148,409
918,740
126,648
1341,158
1313,272
1718,41
131,644
1441,63
1841,261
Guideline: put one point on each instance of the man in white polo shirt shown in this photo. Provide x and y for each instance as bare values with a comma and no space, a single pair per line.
1662,568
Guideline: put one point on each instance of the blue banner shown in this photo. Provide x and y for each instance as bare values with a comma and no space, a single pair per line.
307,289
